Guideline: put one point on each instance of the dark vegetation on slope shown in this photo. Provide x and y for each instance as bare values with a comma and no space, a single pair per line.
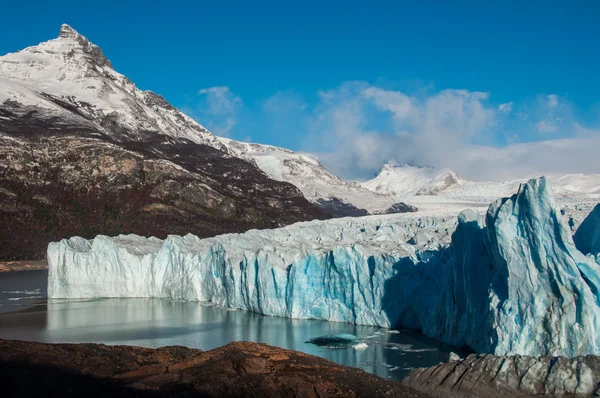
64,176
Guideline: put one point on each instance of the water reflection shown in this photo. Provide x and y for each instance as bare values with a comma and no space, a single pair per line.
155,323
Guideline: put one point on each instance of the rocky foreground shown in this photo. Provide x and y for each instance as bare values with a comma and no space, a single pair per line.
245,369
510,376
239,369
33,265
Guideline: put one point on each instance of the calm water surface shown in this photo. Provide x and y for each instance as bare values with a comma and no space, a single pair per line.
25,315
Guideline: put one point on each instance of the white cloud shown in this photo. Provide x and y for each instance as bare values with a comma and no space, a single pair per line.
552,100
402,106
221,100
348,137
283,102
547,126
571,155
220,109
506,107
357,127
552,113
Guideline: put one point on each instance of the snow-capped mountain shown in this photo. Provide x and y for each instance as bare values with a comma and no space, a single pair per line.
74,71
84,151
430,188
405,180
316,183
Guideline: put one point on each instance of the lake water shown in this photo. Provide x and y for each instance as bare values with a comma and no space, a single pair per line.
26,315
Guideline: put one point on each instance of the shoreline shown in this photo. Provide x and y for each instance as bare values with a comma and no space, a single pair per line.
23,265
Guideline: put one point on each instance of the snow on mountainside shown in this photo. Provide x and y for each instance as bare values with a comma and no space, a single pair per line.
306,173
72,69
75,71
408,180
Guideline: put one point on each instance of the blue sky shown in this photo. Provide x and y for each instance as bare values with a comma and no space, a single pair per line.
357,83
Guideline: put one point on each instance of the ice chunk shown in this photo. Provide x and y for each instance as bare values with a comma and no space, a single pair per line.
341,340
453,357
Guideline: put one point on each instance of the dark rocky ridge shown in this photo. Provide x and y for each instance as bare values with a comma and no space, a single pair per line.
400,207
62,175
337,208
239,369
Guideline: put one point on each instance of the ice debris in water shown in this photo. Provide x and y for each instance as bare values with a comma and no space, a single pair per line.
360,346
514,283
453,357
341,340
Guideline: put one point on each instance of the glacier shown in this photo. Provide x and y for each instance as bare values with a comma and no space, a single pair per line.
512,282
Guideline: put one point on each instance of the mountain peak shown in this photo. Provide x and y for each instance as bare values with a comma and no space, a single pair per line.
67,32
93,51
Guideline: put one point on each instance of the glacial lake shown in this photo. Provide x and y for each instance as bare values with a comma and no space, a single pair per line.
25,314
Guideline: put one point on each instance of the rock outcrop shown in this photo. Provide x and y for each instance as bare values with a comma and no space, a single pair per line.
513,376
239,369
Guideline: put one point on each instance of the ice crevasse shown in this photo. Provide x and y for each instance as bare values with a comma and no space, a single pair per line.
512,283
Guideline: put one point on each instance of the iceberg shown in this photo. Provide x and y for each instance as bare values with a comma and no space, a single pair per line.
510,283
541,293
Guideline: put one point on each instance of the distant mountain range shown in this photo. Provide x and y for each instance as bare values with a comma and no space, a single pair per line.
402,181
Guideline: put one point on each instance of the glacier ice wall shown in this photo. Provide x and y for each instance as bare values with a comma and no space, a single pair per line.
514,284
334,270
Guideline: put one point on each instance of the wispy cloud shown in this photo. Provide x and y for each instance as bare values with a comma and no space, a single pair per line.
553,113
552,100
506,107
362,126
355,128
548,126
217,108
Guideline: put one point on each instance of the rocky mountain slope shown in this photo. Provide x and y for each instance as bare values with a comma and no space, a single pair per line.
83,151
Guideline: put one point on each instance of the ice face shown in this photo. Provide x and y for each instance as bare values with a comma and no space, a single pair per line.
334,270
517,284
587,237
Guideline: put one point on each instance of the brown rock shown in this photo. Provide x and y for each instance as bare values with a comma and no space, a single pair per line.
239,369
